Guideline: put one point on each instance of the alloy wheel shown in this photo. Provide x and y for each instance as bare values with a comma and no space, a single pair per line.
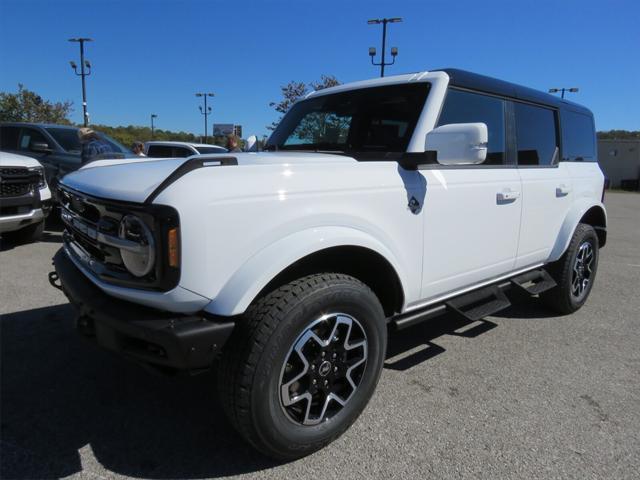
323,369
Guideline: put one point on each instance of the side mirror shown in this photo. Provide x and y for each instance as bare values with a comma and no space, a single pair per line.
40,147
252,144
459,143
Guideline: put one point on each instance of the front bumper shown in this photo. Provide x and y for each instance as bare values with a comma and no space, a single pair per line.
161,339
20,212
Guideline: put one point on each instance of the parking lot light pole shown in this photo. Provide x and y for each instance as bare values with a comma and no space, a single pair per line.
205,111
85,71
153,115
394,50
562,90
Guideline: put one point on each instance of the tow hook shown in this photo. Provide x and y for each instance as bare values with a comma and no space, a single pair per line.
54,280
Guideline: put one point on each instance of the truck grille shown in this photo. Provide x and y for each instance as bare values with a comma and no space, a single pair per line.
17,181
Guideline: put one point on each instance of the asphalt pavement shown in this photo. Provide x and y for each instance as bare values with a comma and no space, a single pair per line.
524,394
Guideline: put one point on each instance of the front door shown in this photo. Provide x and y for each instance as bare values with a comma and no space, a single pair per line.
471,212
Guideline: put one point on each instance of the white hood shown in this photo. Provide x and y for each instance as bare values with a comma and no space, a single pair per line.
12,160
135,179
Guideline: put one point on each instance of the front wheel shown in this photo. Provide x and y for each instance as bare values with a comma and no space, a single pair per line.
575,272
301,367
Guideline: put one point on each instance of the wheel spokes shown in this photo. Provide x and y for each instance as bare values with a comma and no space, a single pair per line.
319,375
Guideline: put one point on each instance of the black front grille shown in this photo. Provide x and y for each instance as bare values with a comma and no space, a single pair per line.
17,181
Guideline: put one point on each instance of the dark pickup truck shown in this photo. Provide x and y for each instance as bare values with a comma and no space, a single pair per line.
56,147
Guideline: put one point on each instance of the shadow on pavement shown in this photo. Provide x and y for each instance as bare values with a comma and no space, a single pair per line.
61,394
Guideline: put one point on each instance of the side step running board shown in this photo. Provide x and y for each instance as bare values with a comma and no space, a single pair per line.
471,306
534,282
478,304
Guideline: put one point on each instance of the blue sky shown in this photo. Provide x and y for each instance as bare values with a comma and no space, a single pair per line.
150,56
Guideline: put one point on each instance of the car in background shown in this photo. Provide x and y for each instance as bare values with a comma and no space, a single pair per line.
25,198
179,149
56,147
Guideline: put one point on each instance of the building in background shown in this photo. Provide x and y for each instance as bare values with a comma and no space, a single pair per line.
620,162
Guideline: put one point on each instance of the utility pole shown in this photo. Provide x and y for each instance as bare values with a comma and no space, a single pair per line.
153,115
562,90
83,73
394,50
205,111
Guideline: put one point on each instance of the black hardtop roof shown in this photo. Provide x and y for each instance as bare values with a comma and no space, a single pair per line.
475,81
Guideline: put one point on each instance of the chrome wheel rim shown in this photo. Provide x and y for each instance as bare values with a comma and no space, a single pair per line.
582,270
323,369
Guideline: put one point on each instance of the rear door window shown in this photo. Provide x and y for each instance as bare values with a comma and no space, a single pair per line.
536,135
181,152
467,107
160,151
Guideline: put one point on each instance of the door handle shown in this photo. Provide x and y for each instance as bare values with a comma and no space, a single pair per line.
562,190
507,196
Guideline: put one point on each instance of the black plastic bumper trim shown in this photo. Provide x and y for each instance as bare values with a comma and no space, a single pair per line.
153,337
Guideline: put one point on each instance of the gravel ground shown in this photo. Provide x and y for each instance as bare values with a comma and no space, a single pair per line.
523,394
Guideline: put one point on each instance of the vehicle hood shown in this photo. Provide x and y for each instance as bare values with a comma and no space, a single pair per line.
135,179
12,160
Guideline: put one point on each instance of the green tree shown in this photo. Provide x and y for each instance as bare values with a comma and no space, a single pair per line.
293,91
28,106
619,135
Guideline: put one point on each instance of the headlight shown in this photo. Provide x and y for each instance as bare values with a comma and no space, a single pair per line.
140,262
41,179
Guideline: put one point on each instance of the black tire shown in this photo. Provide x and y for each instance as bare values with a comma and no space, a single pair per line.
28,234
256,359
566,298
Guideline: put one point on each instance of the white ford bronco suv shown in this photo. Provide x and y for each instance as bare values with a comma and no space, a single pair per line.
377,205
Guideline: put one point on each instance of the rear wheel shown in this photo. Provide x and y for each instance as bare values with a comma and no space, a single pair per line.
575,272
303,365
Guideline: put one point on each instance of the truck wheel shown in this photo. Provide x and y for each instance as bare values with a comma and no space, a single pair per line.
575,272
28,234
303,364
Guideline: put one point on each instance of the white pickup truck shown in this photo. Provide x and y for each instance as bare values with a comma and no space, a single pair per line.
25,198
377,205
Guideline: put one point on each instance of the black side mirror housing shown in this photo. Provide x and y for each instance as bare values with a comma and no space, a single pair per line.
40,147
414,160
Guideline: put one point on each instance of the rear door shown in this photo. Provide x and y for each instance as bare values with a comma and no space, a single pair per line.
546,183
471,212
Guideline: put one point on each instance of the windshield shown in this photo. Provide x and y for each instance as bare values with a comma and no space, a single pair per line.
377,119
205,150
68,139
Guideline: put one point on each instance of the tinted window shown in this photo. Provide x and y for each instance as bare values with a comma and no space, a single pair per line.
378,119
67,138
466,107
29,137
9,138
578,137
205,150
535,135
181,152
160,151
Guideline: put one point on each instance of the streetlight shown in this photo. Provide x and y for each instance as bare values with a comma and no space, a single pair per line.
562,90
153,115
84,64
394,50
205,111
